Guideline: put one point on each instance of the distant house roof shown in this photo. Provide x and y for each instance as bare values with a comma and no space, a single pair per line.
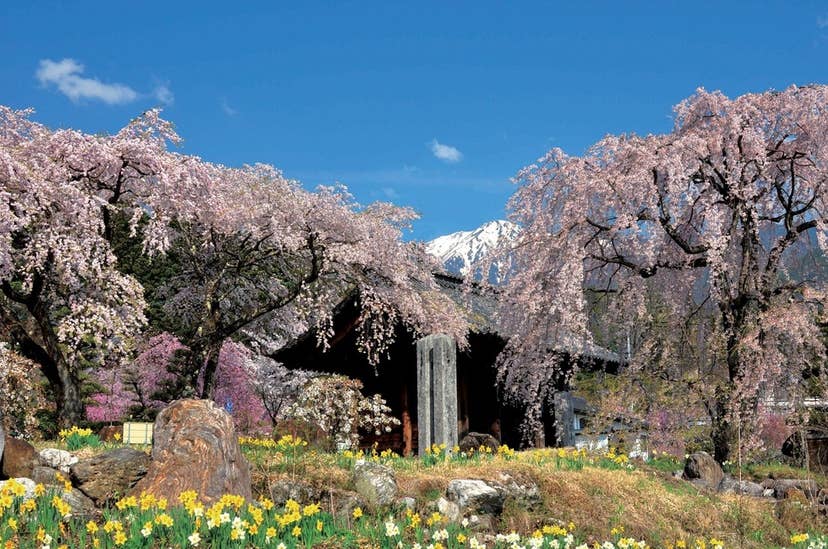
480,304
580,405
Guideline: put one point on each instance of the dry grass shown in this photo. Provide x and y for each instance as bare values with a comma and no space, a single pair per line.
316,469
658,509
647,504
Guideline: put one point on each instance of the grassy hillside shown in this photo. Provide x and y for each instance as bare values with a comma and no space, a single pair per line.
602,496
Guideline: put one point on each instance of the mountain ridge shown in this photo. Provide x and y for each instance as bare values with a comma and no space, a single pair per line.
459,251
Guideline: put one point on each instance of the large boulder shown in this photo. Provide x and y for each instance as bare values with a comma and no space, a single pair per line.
475,496
27,484
375,482
524,492
111,433
731,485
341,503
57,459
702,468
47,476
195,447
782,487
449,509
81,505
473,441
299,491
19,459
109,476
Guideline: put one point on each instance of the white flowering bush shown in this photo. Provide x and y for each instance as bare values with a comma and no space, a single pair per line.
20,393
337,406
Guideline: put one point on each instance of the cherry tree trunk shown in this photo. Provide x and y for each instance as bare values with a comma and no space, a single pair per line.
64,381
722,433
70,406
208,358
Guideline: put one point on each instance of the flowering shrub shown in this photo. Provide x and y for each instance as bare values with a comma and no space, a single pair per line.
276,386
234,390
337,406
773,431
20,393
576,459
132,389
144,387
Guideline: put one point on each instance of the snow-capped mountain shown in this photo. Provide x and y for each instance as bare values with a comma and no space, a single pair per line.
459,251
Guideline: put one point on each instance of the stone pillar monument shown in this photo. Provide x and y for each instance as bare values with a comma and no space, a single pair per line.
436,391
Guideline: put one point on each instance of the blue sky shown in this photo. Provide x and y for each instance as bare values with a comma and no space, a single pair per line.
434,105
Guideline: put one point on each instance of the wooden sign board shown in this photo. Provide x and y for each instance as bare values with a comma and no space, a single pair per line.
137,433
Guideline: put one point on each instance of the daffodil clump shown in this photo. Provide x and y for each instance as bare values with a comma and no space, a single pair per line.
347,458
575,459
439,453
284,444
290,448
560,458
288,451
43,520
255,443
77,438
622,542
433,531
807,541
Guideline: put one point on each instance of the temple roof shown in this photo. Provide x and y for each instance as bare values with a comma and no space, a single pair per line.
479,303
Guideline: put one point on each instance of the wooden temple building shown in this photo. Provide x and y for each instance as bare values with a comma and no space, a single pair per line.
438,392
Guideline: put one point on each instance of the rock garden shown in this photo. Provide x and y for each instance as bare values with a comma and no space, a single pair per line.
200,484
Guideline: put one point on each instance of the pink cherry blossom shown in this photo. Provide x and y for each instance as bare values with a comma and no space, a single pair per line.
710,215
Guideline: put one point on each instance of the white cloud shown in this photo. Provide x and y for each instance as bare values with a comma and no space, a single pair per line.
228,110
446,153
822,22
390,193
66,76
164,94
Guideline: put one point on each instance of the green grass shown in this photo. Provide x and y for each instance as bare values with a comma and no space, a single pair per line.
759,471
